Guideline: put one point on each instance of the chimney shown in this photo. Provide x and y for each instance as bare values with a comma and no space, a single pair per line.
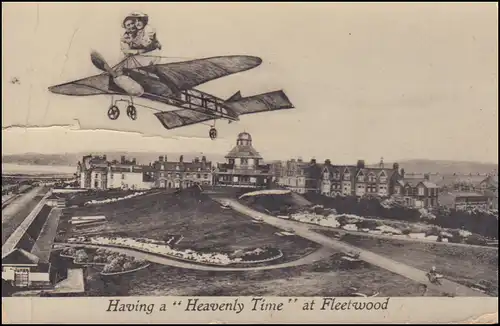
104,157
361,164
134,161
313,161
403,173
204,159
160,158
197,160
328,162
123,159
427,176
395,166
381,164
181,158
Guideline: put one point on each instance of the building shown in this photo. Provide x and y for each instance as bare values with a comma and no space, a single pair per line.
464,200
181,174
300,176
24,269
243,166
489,187
417,192
96,172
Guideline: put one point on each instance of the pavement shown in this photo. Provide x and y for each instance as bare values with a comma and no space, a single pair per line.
389,264
18,203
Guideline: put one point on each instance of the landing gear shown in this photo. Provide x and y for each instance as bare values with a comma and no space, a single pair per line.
212,133
131,112
113,112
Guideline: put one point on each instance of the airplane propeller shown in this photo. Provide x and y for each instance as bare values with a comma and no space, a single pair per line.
124,82
101,64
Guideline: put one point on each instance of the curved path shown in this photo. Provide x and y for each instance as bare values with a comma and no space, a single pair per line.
163,260
304,231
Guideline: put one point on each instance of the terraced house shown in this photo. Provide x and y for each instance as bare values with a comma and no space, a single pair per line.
358,180
181,174
417,192
96,172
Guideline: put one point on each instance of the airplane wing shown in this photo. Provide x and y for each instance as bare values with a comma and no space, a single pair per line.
260,103
94,85
188,74
180,118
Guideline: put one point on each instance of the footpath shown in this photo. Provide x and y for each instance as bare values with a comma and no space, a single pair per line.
304,231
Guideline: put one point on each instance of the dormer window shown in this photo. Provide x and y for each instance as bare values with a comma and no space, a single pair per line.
336,175
383,177
347,174
361,176
372,177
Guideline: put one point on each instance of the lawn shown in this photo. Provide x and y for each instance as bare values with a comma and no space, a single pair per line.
464,265
202,223
319,279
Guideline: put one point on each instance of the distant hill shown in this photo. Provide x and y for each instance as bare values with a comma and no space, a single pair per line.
412,166
71,159
444,166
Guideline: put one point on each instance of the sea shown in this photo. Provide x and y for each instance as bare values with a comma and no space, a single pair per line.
13,168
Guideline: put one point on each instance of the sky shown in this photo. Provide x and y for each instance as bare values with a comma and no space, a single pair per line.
399,80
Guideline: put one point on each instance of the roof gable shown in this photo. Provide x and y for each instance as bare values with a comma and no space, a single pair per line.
19,257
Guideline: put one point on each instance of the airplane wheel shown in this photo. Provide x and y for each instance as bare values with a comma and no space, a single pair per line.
132,112
212,133
113,112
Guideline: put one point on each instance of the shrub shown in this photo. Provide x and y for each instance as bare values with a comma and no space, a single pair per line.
476,239
406,231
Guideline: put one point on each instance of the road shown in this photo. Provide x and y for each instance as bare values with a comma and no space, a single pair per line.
162,260
304,231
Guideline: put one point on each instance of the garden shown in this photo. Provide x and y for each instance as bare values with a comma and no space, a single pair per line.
163,248
111,262
205,227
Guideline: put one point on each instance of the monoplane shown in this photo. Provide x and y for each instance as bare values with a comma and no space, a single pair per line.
173,84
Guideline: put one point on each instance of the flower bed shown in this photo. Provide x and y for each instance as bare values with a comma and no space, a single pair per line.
157,247
113,262
354,223
124,272
112,200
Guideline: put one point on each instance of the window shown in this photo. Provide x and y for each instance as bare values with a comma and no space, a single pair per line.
372,178
421,191
205,176
361,177
162,174
336,175
244,161
177,175
123,176
198,176
96,176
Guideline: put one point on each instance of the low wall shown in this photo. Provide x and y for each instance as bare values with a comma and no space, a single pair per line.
67,190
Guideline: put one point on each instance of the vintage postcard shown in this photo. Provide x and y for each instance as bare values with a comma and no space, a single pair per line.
249,163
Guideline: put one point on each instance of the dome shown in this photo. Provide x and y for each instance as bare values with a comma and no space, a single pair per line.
244,136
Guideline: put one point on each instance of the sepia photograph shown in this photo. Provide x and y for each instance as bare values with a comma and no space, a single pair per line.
249,151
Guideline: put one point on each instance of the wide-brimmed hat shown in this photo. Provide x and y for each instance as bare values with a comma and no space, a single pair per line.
136,15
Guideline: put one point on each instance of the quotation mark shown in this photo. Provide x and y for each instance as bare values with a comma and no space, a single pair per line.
292,300
177,303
